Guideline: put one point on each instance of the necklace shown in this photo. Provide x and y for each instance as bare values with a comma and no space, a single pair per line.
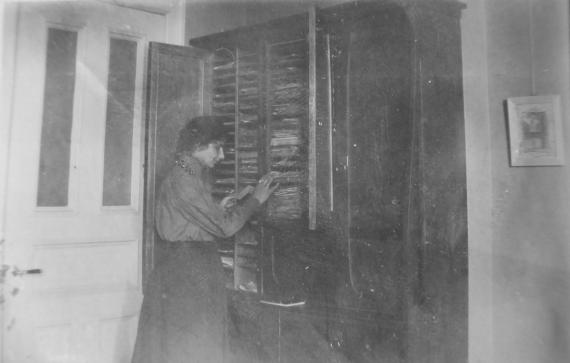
185,166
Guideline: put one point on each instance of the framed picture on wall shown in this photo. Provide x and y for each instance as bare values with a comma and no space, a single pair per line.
535,131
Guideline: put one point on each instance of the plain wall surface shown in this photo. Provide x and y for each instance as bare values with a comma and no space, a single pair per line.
528,54
213,16
519,235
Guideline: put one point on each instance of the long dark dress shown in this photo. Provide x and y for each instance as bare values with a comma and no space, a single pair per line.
184,311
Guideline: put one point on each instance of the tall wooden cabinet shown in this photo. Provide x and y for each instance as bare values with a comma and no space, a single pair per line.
357,109
396,173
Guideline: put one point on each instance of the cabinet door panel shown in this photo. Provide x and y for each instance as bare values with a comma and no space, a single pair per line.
176,94
372,78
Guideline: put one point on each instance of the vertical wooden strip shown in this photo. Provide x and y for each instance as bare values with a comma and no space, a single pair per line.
150,162
206,86
312,43
262,115
267,107
330,122
237,72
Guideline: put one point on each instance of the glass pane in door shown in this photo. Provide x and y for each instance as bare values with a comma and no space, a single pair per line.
53,183
119,122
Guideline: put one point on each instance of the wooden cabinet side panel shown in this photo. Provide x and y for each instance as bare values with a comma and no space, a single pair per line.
438,316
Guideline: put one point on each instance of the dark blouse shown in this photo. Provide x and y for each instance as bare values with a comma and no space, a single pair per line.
186,211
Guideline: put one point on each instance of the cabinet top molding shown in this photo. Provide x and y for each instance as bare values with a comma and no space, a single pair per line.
297,25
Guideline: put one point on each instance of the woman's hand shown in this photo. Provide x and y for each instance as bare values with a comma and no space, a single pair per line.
229,202
264,189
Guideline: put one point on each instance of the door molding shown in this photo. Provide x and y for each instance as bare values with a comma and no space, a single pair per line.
8,26
173,10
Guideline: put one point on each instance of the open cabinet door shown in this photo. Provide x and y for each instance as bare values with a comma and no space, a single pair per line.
176,93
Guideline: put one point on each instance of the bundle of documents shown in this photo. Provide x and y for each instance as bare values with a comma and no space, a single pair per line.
285,203
227,262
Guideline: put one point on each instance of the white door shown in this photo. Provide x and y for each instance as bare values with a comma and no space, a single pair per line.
73,226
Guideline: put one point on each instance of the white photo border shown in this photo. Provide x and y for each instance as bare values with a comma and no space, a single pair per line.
535,131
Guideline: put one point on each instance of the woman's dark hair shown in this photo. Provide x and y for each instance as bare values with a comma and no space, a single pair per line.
200,131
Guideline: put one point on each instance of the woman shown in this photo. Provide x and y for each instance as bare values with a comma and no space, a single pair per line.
183,315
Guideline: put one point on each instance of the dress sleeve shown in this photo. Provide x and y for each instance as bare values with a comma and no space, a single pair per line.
197,206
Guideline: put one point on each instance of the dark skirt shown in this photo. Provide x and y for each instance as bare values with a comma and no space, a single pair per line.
184,311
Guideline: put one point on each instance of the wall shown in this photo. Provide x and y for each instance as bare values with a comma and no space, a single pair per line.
519,293
212,16
528,54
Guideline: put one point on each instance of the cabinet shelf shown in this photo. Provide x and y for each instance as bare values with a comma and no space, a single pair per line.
250,244
224,67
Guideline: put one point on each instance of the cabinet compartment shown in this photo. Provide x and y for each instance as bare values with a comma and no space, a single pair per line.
235,93
287,127
257,78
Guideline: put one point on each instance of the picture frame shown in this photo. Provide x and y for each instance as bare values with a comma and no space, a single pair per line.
535,131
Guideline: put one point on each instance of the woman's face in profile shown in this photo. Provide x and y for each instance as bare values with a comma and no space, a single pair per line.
210,155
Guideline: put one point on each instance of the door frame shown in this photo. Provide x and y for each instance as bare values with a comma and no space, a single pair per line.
8,26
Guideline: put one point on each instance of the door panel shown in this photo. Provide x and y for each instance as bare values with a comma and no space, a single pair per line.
371,59
73,287
177,93
371,67
86,259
